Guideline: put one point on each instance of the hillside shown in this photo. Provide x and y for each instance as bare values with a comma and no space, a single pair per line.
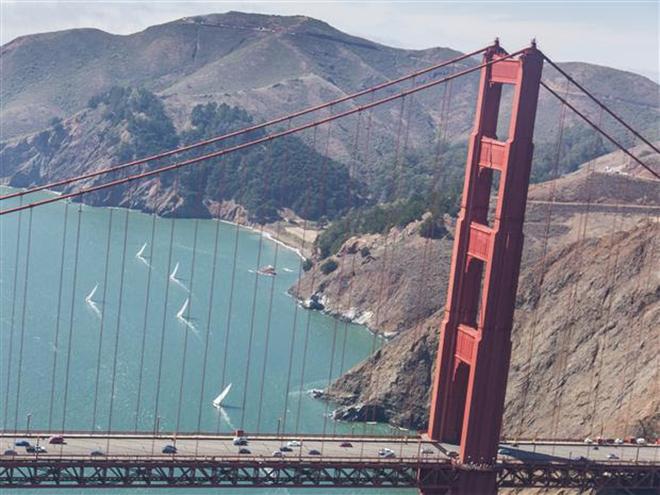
267,66
599,304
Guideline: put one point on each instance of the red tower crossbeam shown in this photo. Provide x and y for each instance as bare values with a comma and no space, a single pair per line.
475,345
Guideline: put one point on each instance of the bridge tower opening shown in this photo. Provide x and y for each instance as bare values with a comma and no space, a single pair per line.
475,343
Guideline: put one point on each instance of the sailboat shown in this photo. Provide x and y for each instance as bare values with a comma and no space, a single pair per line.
177,280
90,296
182,311
173,274
140,254
217,402
92,304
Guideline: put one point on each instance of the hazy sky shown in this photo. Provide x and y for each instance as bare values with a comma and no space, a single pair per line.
622,34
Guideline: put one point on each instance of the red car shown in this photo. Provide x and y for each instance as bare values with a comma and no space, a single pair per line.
56,440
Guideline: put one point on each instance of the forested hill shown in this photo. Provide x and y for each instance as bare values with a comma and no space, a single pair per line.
123,124
200,75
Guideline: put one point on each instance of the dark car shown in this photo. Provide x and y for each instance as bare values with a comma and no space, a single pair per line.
97,453
169,449
313,452
285,448
56,440
244,450
239,441
36,449
346,444
10,452
22,443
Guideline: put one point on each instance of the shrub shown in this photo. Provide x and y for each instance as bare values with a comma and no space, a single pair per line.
307,265
432,229
328,267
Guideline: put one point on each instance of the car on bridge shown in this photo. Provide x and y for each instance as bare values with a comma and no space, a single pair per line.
10,452
56,440
22,443
285,448
36,449
313,452
240,441
346,444
169,449
97,453
294,443
386,453
244,450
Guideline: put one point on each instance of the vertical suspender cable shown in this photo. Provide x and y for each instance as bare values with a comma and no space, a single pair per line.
386,267
145,322
71,316
56,338
295,309
272,284
23,312
159,373
307,323
11,318
223,375
185,337
323,176
354,154
102,324
253,311
202,387
544,260
118,327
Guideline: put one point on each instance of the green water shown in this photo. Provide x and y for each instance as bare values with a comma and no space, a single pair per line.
68,339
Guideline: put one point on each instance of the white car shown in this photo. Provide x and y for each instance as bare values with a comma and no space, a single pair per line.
618,441
641,441
293,443
612,456
386,453
588,440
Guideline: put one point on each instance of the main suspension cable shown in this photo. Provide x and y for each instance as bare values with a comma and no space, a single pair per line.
600,104
595,126
253,128
269,137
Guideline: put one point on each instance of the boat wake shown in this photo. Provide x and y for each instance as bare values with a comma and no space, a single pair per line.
287,270
225,417
175,279
187,320
93,304
140,255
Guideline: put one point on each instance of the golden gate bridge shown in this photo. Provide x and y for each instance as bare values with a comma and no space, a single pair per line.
462,452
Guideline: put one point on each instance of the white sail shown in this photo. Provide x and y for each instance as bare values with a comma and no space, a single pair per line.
173,274
90,296
140,253
183,309
217,402
92,304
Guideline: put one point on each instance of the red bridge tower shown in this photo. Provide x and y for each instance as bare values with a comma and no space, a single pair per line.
475,344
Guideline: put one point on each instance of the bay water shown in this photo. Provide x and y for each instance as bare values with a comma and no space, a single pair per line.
167,344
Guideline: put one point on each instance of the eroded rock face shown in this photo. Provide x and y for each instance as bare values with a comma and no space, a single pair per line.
360,412
388,284
593,365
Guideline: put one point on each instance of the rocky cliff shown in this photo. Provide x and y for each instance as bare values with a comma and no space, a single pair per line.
584,342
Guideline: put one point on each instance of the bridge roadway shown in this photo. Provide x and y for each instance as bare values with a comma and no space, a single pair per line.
212,460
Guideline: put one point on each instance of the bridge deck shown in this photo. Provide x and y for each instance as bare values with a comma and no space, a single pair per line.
413,447
213,460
